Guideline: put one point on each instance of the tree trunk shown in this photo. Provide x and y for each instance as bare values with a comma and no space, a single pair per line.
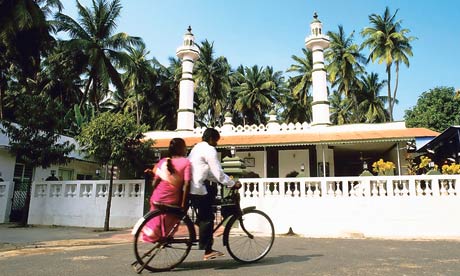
109,201
138,118
390,100
396,86
85,93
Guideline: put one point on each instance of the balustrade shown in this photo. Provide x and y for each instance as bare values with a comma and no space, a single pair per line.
55,190
134,189
378,186
41,190
86,189
70,190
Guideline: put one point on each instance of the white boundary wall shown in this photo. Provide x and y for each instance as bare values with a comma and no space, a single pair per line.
83,203
6,194
399,206
421,206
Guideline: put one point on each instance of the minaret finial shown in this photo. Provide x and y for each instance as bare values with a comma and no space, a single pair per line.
315,15
189,29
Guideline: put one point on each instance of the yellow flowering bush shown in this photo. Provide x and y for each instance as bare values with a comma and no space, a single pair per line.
451,169
383,168
425,164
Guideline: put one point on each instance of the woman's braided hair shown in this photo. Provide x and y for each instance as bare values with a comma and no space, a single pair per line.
176,146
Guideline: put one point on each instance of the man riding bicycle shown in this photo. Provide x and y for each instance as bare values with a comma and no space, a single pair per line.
206,167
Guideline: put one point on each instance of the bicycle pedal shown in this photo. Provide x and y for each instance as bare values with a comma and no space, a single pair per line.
137,267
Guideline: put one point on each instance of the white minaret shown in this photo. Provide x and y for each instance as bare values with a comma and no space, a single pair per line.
317,42
188,54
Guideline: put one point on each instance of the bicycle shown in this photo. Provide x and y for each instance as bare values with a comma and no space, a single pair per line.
248,235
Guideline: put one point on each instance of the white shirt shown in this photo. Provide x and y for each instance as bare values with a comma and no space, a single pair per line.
206,166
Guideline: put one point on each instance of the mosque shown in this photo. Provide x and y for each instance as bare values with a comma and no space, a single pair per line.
316,149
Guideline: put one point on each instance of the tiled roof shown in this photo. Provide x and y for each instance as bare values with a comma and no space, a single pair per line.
309,138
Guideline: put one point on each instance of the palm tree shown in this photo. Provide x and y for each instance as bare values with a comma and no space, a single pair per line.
24,29
340,109
162,101
93,33
279,85
344,61
370,103
300,84
293,109
138,75
256,95
63,70
388,43
24,39
213,83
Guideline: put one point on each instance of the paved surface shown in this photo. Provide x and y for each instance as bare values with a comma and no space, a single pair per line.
82,251
13,237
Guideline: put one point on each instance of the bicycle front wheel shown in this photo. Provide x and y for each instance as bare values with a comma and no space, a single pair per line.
162,241
250,236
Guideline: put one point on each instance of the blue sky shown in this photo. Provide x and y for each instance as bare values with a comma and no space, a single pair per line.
268,33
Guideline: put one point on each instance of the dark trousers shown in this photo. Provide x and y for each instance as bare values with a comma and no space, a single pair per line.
205,219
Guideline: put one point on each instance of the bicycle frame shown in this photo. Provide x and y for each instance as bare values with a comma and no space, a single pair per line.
182,215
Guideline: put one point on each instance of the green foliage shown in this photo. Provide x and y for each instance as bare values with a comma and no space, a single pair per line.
116,139
93,33
301,83
436,109
371,107
34,137
388,43
213,85
257,90
344,61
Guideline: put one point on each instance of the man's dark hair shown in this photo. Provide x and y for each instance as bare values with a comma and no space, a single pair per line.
210,133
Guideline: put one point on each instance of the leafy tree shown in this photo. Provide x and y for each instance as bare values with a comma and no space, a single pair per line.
256,95
93,34
301,83
344,61
34,137
345,66
138,76
371,104
24,32
24,39
162,101
213,84
436,109
341,109
75,119
389,44
114,139
293,109
62,70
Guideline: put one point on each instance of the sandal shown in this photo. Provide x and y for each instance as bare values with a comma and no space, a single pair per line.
212,255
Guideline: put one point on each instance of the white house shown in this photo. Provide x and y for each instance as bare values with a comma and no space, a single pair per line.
16,173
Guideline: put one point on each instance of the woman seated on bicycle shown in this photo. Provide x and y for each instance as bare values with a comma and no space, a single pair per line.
171,184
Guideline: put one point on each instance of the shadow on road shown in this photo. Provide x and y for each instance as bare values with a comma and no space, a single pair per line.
232,264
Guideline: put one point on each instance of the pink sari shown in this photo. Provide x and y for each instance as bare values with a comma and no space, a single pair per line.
167,192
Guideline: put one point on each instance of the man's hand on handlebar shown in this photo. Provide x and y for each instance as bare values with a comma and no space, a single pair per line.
237,185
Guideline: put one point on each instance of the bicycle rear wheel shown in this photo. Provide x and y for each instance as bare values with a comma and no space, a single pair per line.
249,237
162,253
